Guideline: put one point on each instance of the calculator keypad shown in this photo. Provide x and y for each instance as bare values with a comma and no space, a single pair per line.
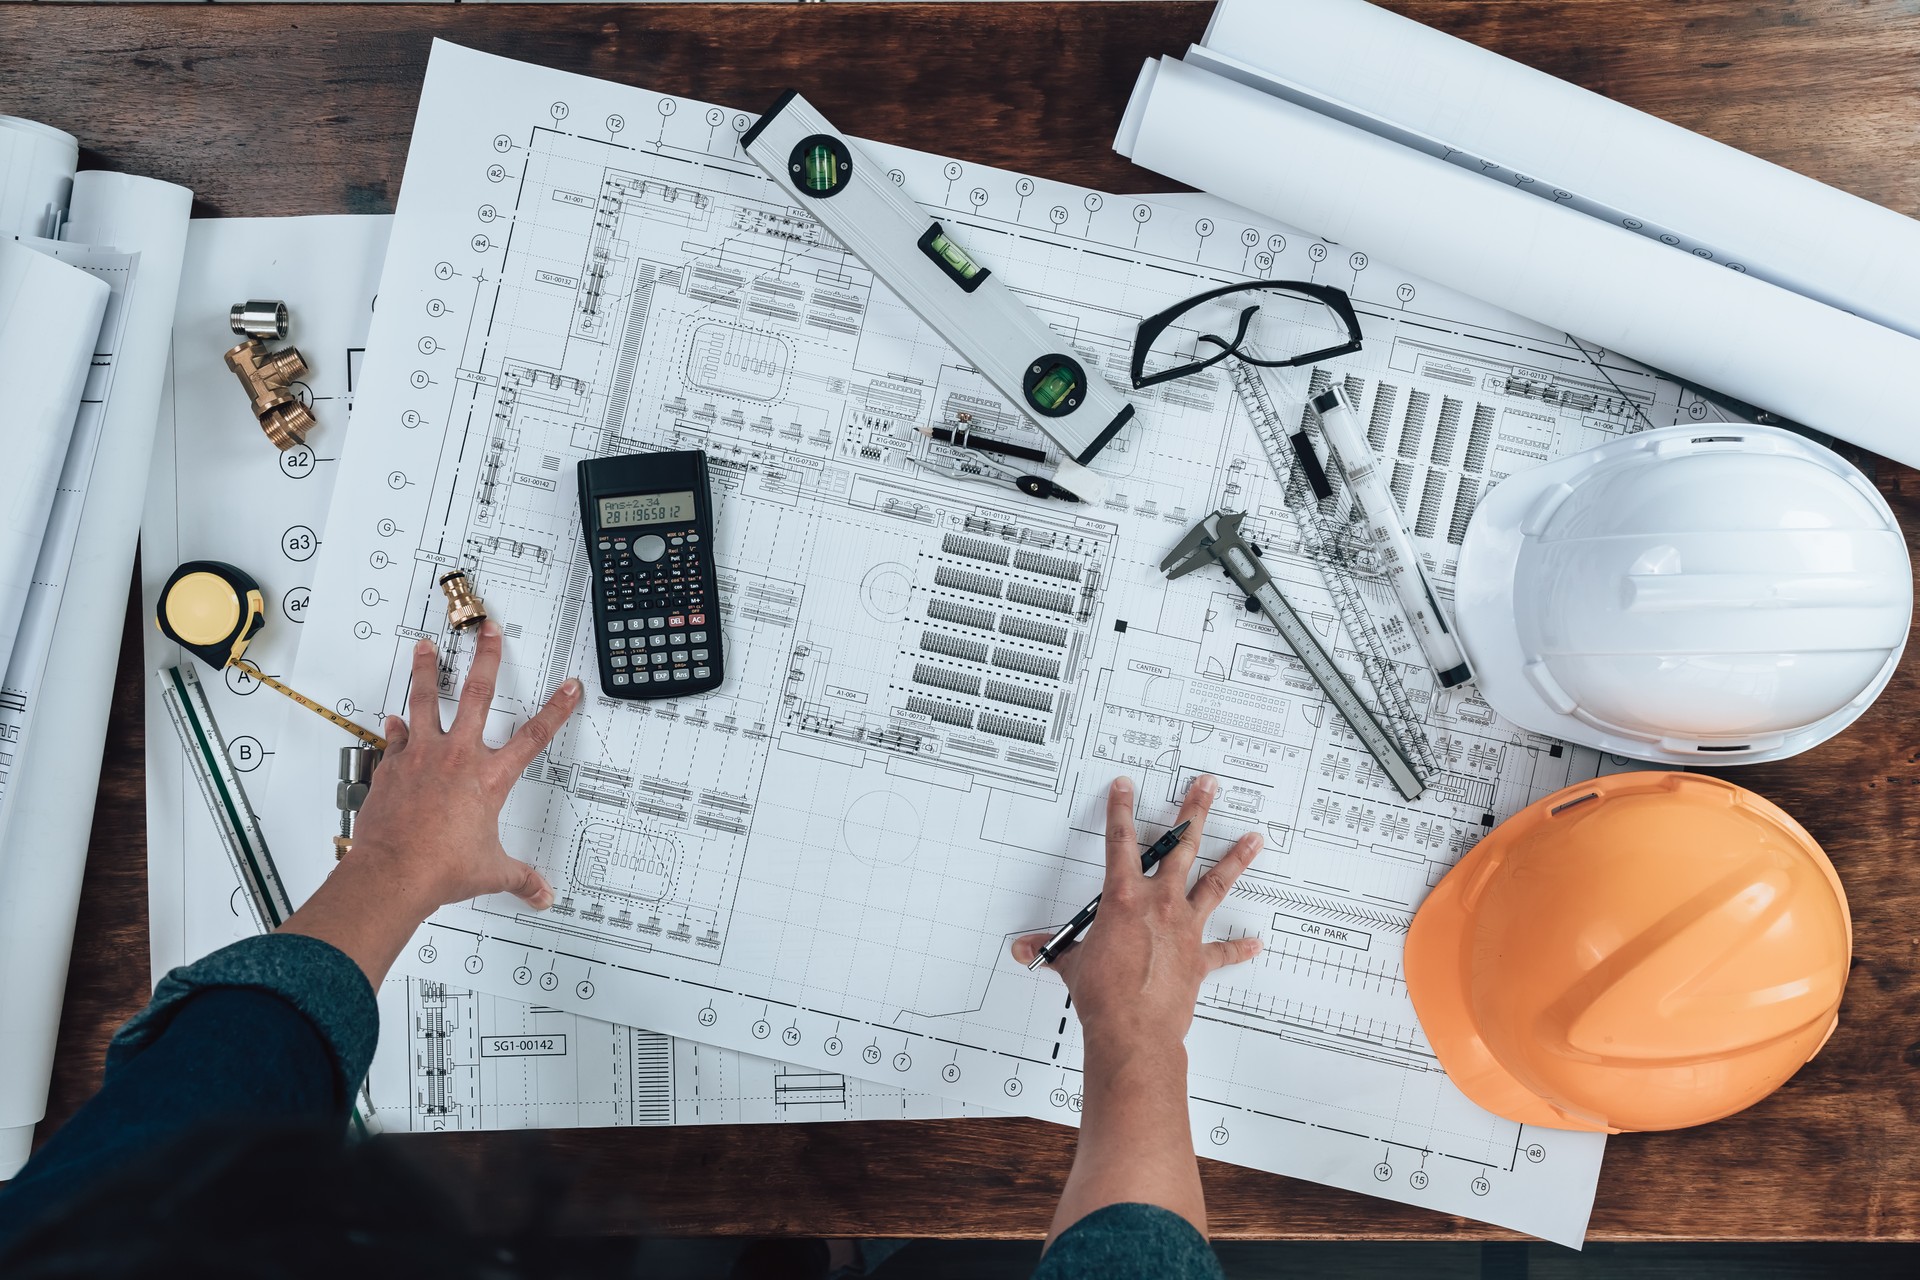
658,630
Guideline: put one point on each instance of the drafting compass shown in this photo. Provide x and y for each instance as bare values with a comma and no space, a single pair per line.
986,468
213,611
1216,540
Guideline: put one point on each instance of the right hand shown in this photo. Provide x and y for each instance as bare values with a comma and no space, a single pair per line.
433,812
1135,976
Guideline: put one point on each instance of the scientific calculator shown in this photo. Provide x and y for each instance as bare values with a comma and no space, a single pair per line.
648,522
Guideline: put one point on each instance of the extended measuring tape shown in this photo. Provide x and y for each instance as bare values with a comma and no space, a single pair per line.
213,611
921,261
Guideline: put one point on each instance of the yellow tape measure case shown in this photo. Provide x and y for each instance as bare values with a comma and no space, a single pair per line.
211,610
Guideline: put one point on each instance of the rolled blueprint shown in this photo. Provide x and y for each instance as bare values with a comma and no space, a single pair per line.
46,809
1393,75
36,177
1731,332
49,318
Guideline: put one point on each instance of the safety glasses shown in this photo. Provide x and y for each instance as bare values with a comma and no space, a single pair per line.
1309,322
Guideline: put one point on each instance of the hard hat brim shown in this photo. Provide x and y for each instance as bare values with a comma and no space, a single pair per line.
1438,973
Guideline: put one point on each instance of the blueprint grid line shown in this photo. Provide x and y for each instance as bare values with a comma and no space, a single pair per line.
933,680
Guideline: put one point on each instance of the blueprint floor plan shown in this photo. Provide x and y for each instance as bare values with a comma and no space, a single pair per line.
448,1058
930,681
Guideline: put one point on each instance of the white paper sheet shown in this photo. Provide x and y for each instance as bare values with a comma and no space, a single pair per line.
829,855
1737,334
37,162
1496,117
448,1058
59,681
49,322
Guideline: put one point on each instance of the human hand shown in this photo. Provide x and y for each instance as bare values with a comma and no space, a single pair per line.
1135,976
432,814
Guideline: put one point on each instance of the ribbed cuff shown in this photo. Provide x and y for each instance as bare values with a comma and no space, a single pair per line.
315,977
1129,1241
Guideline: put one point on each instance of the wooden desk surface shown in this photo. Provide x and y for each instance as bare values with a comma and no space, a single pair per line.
286,109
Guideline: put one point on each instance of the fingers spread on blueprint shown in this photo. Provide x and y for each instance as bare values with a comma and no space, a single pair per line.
423,699
476,694
1123,846
1210,890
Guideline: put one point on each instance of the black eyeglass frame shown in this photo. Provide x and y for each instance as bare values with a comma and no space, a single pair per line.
1335,300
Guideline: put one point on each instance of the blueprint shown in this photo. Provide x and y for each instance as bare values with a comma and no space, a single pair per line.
447,1058
931,681
453,1058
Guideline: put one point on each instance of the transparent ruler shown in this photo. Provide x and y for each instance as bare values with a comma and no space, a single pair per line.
1320,538
233,815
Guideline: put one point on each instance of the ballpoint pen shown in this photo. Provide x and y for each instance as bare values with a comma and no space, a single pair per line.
963,437
1070,931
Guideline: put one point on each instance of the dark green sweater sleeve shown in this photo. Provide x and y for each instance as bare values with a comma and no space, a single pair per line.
1130,1242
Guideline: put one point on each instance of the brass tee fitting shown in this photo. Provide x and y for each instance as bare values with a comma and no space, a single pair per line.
267,377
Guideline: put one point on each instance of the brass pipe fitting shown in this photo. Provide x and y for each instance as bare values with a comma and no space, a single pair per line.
464,609
267,377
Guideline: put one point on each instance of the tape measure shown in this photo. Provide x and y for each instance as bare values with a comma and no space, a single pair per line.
213,611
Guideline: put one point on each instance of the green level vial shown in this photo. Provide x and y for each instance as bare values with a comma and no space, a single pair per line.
823,172
821,166
952,259
1052,389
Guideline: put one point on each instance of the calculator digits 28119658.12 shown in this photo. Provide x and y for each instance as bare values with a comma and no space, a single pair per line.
648,523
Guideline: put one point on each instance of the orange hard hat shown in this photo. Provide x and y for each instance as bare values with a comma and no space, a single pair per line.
1643,951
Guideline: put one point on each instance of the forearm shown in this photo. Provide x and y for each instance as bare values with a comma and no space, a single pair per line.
1136,1145
267,1028
367,908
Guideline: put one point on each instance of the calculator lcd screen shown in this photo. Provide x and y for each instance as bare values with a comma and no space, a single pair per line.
646,508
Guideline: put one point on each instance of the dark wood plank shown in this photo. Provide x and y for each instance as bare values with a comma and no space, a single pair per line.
1826,86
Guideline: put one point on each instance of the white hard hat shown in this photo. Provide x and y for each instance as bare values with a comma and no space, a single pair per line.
1686,595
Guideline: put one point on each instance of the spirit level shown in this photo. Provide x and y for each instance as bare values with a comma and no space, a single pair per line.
921,260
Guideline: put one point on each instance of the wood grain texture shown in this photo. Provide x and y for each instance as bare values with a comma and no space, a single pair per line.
1829,87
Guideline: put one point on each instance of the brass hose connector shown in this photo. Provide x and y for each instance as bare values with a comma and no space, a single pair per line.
464,609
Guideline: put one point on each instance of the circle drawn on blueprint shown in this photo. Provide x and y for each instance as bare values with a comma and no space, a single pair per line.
881,829
887,590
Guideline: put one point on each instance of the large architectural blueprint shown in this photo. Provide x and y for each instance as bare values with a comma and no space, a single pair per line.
930,680
448,1058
